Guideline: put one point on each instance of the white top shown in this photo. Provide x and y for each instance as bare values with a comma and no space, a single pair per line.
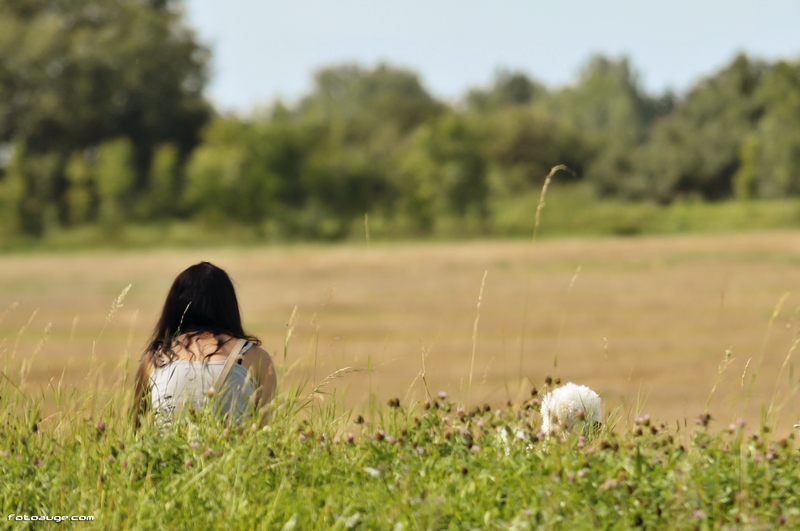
182,383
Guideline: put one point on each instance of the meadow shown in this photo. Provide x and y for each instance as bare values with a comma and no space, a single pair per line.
665,328
645,320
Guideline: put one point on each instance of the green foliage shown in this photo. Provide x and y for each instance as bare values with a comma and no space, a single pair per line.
161,202
79,194
428,465
745,177
696,149
78,79
509,89
357,102
76,74
114,177
778,132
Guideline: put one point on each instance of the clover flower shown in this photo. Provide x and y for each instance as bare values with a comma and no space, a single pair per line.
568,406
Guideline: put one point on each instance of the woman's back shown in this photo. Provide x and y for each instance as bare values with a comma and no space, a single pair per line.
195,368
186,383
200,328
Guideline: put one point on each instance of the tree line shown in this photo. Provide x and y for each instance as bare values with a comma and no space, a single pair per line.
103,121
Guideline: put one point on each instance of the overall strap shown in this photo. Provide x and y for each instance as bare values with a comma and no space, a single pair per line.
231,361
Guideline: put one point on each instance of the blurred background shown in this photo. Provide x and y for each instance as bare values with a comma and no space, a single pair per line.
135,122
145,135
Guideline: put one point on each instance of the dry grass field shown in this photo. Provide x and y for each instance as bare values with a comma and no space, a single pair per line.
646,322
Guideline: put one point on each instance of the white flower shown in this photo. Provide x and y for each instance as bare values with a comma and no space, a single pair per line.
563,408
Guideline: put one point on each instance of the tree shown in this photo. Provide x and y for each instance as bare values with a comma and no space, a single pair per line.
609,109
359,102
509,89
79,194
114,176
696,149
76,73
774,152
442,169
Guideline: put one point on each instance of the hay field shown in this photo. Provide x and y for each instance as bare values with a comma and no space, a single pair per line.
646,319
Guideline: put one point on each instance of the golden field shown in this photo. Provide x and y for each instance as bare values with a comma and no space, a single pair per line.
645,322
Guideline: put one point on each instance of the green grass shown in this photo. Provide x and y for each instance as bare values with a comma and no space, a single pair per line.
422,465
572,210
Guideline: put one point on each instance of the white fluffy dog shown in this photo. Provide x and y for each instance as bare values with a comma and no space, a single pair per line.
568,406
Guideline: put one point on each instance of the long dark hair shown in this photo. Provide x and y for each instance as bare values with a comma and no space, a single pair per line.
202,299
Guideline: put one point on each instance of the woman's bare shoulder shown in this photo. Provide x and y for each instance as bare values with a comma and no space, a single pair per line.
258,351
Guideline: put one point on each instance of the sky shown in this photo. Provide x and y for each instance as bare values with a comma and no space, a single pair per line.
264,49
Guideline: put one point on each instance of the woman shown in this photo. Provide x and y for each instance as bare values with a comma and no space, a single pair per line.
199,350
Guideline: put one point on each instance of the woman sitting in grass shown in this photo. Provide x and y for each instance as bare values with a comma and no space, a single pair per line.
199,353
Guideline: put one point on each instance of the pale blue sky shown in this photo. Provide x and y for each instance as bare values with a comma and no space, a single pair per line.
265,49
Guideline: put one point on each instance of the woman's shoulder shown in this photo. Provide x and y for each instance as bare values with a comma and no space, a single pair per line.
254,349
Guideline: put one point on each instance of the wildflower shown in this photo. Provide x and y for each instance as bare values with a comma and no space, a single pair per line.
374,472
101,426
123,464
110,458
301,437
336,439
581,441
194,444
561,408
699,514
350,438
571,477
211,392
439,499
703,419
208,453
741,422
581,473
40,463
481,423
782,519
4,453
420,450
475,448
757,458
380,435
442,395
189,463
